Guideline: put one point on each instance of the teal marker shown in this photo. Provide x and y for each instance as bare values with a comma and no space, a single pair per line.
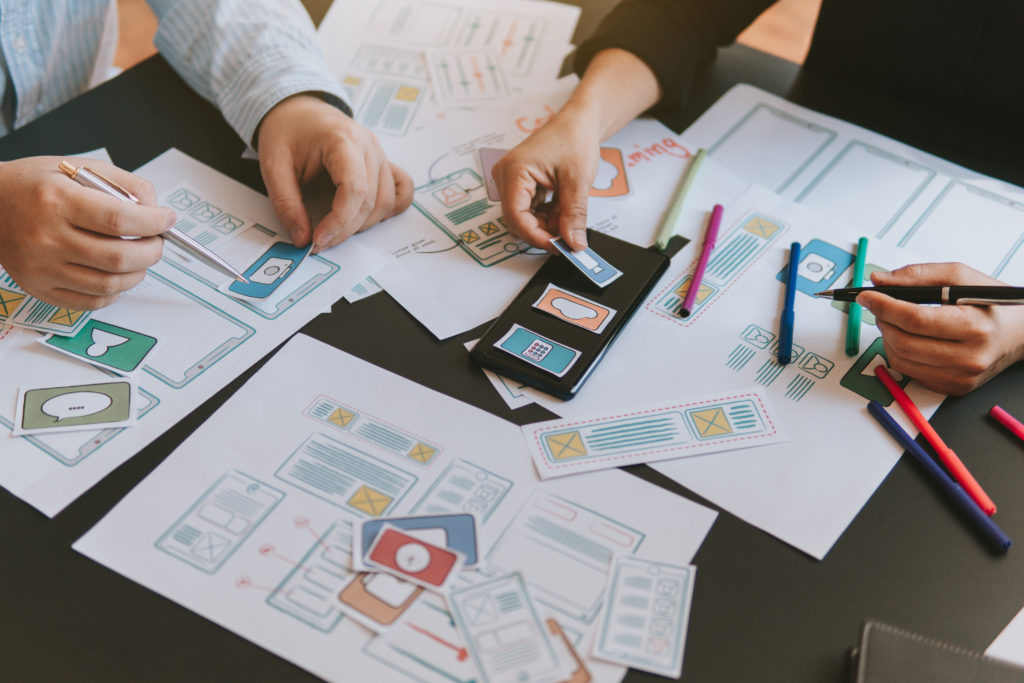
853,316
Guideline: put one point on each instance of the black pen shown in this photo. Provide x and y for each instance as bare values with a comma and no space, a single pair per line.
949,294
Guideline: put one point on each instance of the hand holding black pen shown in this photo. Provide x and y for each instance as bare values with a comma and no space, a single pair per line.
978,295
951,349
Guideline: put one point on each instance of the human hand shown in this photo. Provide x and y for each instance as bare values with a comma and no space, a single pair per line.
950,349
303,136
562,157
61,242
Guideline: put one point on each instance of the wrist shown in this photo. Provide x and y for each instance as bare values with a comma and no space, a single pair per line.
585,117
616,88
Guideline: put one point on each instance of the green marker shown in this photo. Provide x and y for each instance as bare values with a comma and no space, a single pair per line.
853,316
668,225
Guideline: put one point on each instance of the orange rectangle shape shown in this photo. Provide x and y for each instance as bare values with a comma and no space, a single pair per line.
574,309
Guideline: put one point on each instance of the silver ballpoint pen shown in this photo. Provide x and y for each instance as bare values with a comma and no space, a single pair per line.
83,176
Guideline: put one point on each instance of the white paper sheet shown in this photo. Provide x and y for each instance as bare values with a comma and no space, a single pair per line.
455,265
206,338
247,522
805,491
379,49
882,187
1009,644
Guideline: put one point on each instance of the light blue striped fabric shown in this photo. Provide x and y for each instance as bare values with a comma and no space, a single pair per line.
245,56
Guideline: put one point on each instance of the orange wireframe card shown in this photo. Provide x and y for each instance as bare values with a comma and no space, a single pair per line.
574,309
611,180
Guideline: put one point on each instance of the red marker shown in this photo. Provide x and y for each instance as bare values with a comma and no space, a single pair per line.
945,453
1008,421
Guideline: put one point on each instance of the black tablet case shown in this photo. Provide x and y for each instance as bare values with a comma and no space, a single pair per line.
641,268
887,654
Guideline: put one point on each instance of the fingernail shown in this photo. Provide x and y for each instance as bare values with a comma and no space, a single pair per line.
860,300
579,236
171,218
322,242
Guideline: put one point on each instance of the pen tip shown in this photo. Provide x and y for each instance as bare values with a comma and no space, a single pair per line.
826,293
241,278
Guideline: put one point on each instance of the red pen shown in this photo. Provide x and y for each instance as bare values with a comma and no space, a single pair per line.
1008,421
945,453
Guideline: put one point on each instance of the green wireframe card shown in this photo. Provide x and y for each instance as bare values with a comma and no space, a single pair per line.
107,346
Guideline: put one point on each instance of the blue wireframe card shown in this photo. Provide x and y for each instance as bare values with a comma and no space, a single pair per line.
541,352
270,270
590,263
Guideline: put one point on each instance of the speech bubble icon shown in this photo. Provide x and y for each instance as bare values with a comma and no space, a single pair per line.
573,310
76,404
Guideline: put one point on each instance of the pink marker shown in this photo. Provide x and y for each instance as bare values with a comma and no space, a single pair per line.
1008,421
710,237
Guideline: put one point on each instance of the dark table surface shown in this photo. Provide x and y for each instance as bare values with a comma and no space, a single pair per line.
761,611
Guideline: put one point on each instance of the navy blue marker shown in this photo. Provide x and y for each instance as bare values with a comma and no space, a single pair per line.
788,314
999,541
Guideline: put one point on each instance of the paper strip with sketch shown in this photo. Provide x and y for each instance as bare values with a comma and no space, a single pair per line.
694,426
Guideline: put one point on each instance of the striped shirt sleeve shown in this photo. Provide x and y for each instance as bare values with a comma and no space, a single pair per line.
245,56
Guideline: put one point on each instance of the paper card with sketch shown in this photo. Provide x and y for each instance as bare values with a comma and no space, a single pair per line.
107,346
69,408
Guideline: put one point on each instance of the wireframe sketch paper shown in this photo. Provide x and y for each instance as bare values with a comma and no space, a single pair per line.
206,338
407,64
646,615
454,262
886,189
485,611
1009,644
808,489
248,523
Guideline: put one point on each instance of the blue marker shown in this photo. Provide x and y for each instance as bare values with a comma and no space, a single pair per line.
786,326
999,541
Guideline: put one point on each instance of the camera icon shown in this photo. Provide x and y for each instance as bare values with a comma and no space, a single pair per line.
816,268
274,269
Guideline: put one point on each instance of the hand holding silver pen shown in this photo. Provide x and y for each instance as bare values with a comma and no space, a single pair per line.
62,243
91,179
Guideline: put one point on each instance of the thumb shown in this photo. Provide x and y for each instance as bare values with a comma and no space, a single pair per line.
573,190
285,195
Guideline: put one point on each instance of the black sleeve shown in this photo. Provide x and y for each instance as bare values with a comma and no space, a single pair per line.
675,38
